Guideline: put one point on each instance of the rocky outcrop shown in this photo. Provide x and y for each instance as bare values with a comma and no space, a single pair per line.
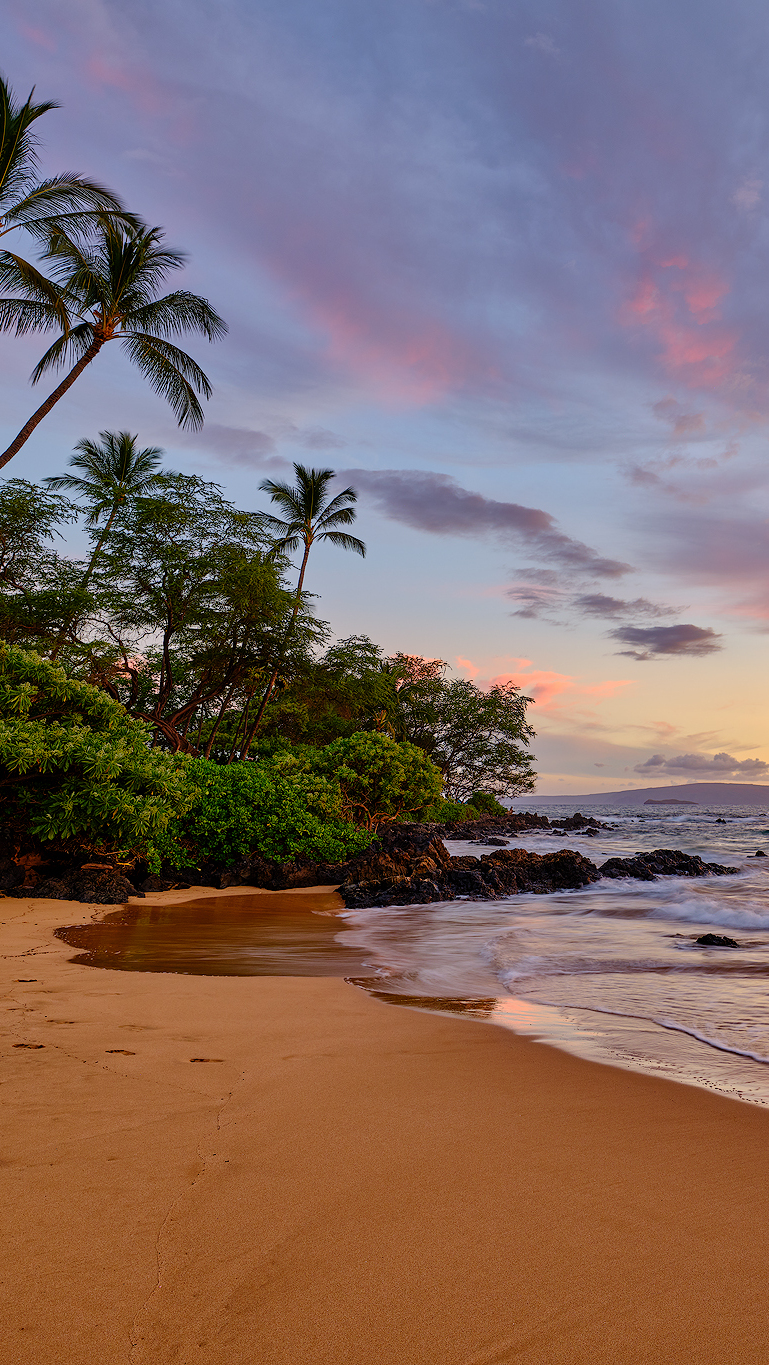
663,862
88,887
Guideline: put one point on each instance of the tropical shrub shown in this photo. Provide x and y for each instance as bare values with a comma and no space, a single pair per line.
74,765
379,779
487,804
243,808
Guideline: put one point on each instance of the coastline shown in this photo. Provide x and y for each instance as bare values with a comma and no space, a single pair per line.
343,1180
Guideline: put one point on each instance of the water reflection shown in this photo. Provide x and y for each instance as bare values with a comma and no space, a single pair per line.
257,934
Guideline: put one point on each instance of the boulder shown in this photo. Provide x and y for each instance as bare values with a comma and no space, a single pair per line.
716,941
94,888
663,862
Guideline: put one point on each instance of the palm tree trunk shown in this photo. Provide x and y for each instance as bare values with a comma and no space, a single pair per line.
45,408
289,628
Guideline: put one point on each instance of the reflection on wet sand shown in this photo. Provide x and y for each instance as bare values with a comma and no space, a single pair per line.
473,1006
268,933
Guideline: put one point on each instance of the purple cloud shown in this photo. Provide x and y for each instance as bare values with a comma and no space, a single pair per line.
724,765
654,642
438,504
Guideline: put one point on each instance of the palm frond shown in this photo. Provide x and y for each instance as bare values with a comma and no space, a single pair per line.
285,497
171,373
25,279
344,541
69,201
25,315
18,145
67,349
175,314
344,516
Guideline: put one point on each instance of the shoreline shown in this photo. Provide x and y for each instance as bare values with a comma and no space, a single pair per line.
342,1180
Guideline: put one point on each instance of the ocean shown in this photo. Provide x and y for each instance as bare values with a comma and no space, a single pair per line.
611,972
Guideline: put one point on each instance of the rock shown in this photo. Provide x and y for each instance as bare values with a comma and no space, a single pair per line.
663,862
759,853
716,941
502,843
87,887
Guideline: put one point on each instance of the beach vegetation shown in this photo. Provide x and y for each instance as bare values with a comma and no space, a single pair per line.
75,767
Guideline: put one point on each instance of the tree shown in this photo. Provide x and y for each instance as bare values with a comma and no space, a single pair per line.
38,587
108,288
115,471
478,739
194,605
69,202
310,516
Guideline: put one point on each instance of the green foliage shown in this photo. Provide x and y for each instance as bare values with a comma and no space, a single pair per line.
487,804
380,780
74,765
38,587
449,812
277,811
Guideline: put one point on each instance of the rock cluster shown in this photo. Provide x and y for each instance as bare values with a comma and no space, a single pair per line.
407,865
663,862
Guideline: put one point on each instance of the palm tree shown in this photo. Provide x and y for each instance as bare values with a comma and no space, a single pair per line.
310,516
37,206
108,288
112,472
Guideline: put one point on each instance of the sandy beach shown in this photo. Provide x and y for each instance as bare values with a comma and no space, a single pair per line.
237,1169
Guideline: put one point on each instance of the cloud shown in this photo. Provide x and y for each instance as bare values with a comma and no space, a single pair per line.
239,445
438,504
683,424
653,642
722,765
544,43
612,608
748,196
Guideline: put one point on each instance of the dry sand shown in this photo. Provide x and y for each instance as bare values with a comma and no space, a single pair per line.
350,1182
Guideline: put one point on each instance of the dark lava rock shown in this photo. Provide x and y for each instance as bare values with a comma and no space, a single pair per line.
578,821
663,862
716,941
105,888
759,853
11,875
505,872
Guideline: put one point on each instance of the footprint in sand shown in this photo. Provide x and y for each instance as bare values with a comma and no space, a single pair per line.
31,1045
123,1051
206,1059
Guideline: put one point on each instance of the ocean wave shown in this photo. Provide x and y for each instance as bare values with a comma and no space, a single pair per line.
699,910
672,1025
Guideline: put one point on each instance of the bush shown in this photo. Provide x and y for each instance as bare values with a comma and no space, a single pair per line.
379,780
75,766
444,812
276,810
487,804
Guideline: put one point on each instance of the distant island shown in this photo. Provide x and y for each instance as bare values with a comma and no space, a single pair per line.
699,794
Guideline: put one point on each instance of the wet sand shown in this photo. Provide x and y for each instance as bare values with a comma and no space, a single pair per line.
231,1170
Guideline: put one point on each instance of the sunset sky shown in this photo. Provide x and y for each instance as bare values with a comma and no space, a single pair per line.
505,267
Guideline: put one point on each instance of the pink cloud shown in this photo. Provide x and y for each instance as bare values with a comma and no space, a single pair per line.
38,37
545,685
680,311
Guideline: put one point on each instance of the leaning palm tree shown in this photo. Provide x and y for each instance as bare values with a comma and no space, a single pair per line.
67,201
310,516
110,473
109,288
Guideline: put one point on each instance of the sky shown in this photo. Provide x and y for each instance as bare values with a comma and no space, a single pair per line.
503,267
